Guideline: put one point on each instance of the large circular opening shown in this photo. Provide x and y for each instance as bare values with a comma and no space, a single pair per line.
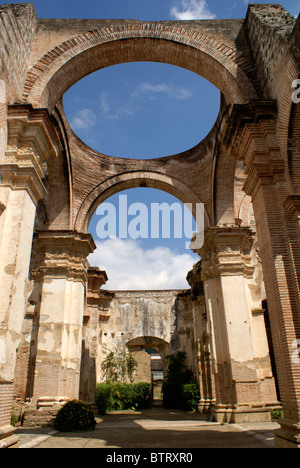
142,110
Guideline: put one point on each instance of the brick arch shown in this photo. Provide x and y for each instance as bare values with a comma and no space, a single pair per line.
68,62
129,180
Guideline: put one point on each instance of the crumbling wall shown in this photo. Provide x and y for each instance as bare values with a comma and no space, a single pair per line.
269,28
162,320
18,26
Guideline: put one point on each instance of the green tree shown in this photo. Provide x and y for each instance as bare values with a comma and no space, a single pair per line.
119,365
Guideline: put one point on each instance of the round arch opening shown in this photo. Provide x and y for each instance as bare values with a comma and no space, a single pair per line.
142,110
138,179
143,239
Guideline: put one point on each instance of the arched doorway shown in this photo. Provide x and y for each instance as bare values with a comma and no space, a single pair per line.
150,352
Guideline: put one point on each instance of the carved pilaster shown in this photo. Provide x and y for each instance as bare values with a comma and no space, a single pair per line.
32,141
95,296
227,251
62,254
252,135
60,266
227,267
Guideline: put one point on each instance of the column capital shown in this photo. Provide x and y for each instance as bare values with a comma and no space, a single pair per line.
32,142
62,254
97,278
244,114
251,135
227,252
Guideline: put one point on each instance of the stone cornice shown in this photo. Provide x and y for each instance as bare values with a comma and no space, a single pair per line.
96,279
62,254
243,114
251,136
20,178
32,128
226,252
32,142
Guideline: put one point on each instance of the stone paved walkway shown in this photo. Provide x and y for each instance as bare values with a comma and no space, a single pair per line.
155,429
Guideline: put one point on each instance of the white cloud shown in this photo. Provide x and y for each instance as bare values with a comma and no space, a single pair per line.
295,10
113,112
112,109
85,118
192,10
130,267
169,89
104,103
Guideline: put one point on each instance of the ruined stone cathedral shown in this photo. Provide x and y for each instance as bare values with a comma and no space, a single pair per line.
239,322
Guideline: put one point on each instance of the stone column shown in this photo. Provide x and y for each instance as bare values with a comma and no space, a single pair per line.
91,334
245,388
30,145
61,268
203,335
276,215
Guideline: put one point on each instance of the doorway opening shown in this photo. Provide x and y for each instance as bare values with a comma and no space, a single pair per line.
150,353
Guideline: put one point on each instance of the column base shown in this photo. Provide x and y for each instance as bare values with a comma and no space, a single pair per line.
241,414
7,436
288,436
42,413
204,406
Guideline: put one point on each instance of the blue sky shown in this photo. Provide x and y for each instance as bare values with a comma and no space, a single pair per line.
144,110
155,10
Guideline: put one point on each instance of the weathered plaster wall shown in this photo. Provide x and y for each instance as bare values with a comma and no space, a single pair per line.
162,320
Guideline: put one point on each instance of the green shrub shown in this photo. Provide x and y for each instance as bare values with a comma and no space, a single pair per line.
122,396
75,415
103,397
142,395
112,396
189,397
183,396
276,413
